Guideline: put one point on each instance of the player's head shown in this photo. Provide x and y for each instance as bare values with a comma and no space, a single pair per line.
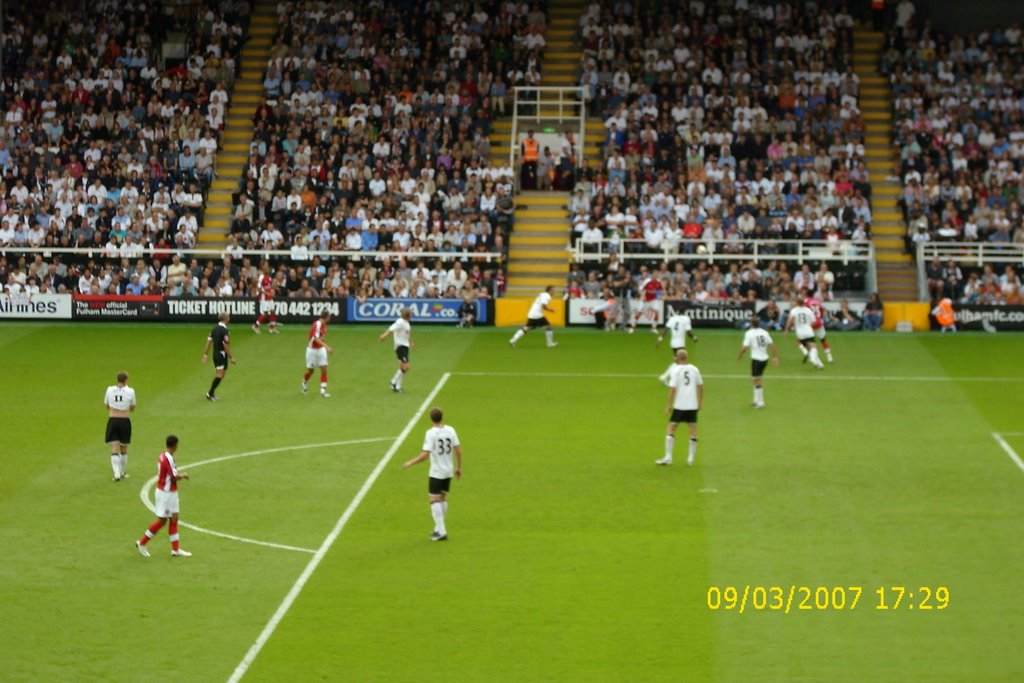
172,443
407,313
755,322
325,315
436,415
549,289
224,318
681,356
122,377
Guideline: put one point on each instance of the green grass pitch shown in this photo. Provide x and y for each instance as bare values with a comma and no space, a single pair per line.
572,556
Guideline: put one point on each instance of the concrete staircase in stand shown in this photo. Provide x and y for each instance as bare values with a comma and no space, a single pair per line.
537,255
238,128
897,278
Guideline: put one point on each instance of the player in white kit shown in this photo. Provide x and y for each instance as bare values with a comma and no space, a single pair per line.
681,327
801,319
120,402
760,344
685,398
535,318
440,444
402,330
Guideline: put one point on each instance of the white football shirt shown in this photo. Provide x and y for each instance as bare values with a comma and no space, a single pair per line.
537,307
679,324
119,398
685,378
402,331
803,319
758,341
441,442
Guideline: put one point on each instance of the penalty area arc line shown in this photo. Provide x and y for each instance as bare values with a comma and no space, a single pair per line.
144,492
314,562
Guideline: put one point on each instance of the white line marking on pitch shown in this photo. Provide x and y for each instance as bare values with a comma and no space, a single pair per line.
300,583
1008,448
818,376
144,493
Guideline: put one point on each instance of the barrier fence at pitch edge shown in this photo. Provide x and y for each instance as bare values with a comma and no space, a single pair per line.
109,308
84,307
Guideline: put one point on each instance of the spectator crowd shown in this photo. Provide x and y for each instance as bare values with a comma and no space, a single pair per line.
958,100
724,123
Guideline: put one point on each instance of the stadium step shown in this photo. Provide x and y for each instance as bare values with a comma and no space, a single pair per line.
538,240
534,282
238,129
533,240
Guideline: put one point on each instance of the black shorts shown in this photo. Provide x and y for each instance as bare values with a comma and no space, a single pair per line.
680,416
757,367
438,486
220,360
532,323
402,353
119,429
806,343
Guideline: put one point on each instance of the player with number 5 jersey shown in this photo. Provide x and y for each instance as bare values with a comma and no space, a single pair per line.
441,445
685,398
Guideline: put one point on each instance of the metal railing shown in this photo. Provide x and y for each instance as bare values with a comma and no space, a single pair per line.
795,251
219,253
976,254
541,104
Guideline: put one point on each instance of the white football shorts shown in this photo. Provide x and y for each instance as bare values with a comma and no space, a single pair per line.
316,358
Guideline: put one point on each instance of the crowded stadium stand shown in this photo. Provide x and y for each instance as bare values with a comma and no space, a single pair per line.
732,137
735,151
957,131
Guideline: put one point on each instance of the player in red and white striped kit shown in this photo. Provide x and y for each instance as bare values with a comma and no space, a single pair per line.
166,501
316,354
812,302
650,290
266,287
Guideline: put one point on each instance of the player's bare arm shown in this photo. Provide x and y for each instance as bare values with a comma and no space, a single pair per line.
700,396
227,350
384,334
180,475
458,462
206,349
775,354
743,350
672,399
691,335
418,459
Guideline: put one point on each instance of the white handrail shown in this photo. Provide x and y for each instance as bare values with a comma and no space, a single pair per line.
845,251
100,253
977,254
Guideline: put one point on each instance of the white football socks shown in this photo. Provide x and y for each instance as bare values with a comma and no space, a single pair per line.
115,464
815,361
437,510
517,336
693,450
397,379
759,395
550,334
670,442
124,464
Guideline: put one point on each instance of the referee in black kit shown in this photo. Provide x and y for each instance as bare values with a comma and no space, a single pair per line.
220,340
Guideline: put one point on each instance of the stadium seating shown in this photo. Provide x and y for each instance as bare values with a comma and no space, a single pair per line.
723,126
